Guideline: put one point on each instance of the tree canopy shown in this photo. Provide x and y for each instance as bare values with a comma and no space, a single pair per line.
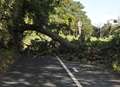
41,16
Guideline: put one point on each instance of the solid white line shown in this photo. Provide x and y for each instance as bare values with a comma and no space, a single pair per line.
69,73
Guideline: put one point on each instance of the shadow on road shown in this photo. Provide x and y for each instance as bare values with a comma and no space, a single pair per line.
36,72
94,76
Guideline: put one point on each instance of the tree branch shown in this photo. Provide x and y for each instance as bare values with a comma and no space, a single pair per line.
54,36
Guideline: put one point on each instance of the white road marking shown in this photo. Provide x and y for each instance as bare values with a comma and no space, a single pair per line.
75,70
69,73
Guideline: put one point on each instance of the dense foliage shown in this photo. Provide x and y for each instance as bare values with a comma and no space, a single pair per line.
47,26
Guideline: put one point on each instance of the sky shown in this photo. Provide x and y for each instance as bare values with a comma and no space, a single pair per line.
99,11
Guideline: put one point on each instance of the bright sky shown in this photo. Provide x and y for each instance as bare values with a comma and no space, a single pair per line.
99,11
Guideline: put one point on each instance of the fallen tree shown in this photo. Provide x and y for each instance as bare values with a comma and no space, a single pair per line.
38,11
54,36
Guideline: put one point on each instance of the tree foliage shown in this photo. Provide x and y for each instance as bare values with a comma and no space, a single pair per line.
68,14
39,15
22,18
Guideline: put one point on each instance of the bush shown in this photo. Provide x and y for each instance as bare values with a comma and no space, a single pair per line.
7,57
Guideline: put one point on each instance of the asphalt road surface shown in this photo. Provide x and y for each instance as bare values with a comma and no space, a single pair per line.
93,75
47,71
37,72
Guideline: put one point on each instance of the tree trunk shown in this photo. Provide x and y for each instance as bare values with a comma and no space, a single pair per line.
54,36
14,26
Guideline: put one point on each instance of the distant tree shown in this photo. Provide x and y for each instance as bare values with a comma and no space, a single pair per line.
96,31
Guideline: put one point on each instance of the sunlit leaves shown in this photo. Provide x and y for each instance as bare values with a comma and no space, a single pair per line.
28,18
69,9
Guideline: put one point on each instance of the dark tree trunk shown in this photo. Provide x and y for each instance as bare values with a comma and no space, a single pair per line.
14,27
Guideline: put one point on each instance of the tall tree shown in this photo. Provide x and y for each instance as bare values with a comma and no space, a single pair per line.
39,12
65,17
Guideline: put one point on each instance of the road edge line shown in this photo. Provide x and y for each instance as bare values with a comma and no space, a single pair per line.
69,73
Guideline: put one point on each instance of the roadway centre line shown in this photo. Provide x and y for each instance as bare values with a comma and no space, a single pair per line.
69,73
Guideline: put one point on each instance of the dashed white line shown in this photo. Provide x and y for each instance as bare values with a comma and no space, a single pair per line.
75,70
69,73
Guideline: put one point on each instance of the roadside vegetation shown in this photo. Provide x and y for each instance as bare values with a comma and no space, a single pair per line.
50,28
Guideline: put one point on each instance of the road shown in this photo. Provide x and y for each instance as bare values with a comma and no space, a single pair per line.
37,72
93,75
47,71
